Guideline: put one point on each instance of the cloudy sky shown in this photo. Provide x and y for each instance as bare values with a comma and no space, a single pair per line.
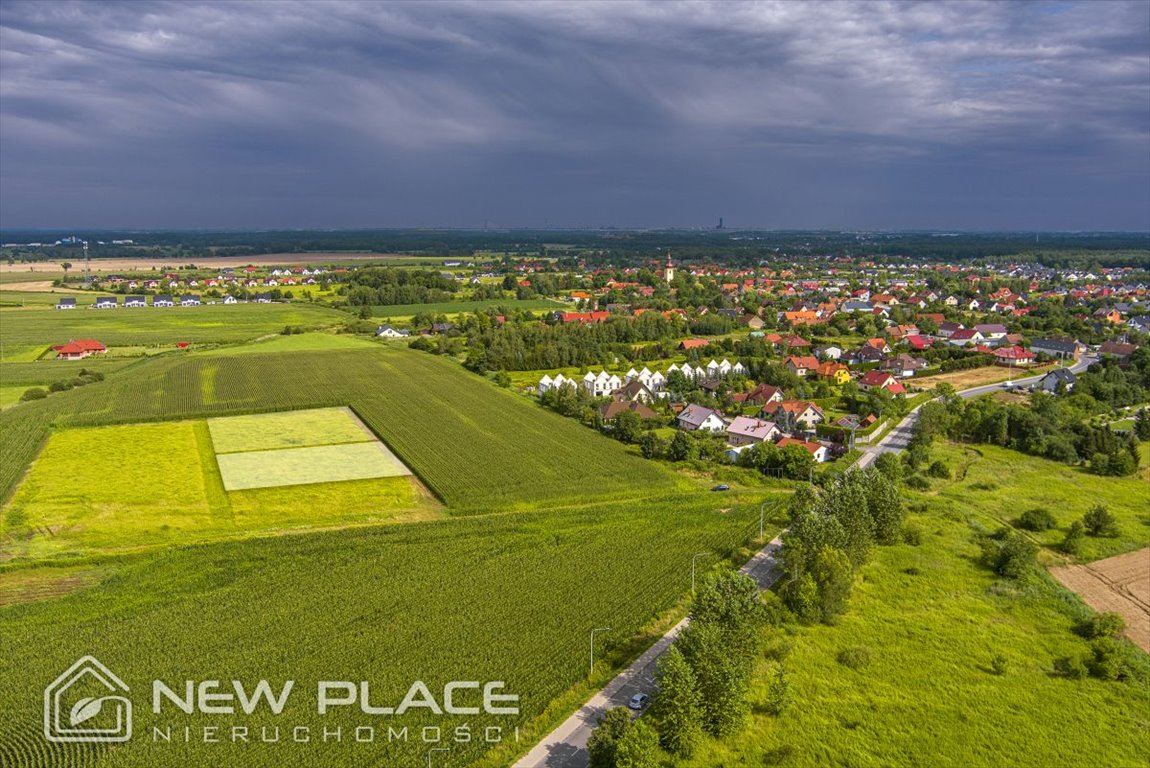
883,115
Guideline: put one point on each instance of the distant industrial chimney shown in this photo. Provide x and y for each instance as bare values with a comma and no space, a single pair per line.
720,223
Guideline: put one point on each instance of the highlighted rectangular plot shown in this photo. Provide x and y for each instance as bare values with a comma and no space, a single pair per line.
288,429
302,466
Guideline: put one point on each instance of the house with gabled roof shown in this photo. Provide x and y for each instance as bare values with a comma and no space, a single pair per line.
881,380
793,415
79,349
67,302
697,417
817,450
745,430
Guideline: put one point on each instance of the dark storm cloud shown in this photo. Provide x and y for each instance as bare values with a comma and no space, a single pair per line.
883,115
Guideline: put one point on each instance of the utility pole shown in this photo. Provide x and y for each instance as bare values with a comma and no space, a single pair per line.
597,629
762,511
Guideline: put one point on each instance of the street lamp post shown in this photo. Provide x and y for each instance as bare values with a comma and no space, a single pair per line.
597,629
693,559
435,749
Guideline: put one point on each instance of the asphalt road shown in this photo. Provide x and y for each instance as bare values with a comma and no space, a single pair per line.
566,746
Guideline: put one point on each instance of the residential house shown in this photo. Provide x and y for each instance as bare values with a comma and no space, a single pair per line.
135,301
818,451
881,380
948,329
79,349
1119,350
634,391
829,352
391,332
163,300
229,299
765,393
696,417
1059,349
1013,356
611,411
747,431
832,371
189,300
965,338
801,365
66,303
1051,381
793,415
903,365
991,330
107,302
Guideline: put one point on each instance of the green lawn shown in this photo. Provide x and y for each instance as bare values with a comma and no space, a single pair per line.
933,619
9,395
303,342
286,429
26,329
1002,484
301,466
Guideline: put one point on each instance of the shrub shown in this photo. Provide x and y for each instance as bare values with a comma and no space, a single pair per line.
918,483
939,469
999,664
1010,555
59,386
1105,660
1099,521
1071,667
35,393
912,534
1037,519
1108,624
1072,544
855,657
779,694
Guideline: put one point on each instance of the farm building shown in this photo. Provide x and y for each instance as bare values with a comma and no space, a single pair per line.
66,303
79,349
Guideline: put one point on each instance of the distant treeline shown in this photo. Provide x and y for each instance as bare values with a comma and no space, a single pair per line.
620,247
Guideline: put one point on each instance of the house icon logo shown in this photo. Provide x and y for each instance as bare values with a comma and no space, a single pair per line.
84,704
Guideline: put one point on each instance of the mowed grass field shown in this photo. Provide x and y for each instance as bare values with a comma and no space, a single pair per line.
503,597
286,429
106,489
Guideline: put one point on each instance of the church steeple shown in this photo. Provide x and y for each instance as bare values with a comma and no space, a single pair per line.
669,270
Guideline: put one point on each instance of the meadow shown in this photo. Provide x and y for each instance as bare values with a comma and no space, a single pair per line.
504,597
404,311
1002,484
26,329
932,619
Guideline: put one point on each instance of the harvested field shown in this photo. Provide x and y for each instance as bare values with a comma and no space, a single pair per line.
1120,584
977,377
153,263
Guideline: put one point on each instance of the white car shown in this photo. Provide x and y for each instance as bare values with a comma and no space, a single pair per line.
638,701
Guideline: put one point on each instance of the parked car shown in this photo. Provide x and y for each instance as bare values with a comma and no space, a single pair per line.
638,701
721,487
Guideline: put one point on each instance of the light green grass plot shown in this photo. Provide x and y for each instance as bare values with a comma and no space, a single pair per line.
287,429
301,466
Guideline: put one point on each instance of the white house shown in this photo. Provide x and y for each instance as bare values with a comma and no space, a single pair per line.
696,417
229,299
388,332
135,301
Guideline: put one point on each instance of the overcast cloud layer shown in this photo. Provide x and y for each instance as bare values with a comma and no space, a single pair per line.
1000,115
